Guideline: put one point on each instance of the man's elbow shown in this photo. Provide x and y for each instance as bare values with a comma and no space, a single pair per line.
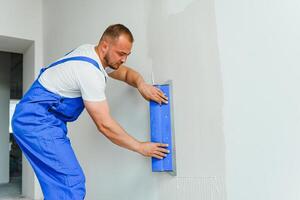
105,127
102,126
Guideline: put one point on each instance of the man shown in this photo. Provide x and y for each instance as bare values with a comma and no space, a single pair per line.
60,93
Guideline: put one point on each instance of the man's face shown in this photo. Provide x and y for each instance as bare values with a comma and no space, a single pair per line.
117,52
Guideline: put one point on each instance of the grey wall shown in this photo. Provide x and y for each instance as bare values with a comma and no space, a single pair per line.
5,62
258,44
23,34
183,47
30,184
178,41
259,50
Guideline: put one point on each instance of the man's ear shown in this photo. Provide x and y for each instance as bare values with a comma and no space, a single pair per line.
104,46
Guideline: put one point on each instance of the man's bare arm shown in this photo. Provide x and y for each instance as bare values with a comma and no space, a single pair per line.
99,112
128,75
134,79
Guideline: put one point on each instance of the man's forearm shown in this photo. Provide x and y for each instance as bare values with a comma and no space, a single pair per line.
115,133
133,78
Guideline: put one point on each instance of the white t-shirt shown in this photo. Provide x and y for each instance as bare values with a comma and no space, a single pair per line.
77,78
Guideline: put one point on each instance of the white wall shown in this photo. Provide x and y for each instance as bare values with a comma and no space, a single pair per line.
177,40
258,44
5,62
259,50
183,47
30,184
20,23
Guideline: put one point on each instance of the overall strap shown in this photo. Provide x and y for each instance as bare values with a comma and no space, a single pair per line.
75,58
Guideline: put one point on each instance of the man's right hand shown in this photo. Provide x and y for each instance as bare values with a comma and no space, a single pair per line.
156,150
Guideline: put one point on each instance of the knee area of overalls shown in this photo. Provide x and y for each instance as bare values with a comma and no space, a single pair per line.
76,179
76,184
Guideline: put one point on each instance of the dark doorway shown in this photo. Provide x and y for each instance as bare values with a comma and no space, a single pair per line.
13,188
16,91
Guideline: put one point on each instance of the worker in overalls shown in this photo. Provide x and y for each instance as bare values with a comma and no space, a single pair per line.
59,95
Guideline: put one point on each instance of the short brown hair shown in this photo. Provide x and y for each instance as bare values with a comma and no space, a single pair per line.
114,31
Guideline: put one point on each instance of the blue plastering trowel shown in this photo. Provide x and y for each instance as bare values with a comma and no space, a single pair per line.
162,129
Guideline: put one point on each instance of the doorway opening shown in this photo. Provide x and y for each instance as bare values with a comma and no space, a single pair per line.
11,91
16,91
21,81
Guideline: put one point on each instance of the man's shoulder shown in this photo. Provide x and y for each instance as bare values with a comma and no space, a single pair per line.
85,49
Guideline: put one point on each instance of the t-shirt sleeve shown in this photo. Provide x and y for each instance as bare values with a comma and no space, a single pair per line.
91,82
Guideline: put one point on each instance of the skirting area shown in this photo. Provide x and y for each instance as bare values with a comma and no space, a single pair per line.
12,190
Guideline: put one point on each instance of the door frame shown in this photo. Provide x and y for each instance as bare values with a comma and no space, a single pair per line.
27,48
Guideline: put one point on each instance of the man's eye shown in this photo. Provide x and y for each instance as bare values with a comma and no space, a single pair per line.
122,54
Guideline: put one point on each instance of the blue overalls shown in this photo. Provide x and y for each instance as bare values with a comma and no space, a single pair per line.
39,127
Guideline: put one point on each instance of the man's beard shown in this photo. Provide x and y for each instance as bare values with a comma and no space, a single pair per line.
111,65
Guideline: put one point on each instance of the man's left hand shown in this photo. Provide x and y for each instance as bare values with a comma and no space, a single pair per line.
149,92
